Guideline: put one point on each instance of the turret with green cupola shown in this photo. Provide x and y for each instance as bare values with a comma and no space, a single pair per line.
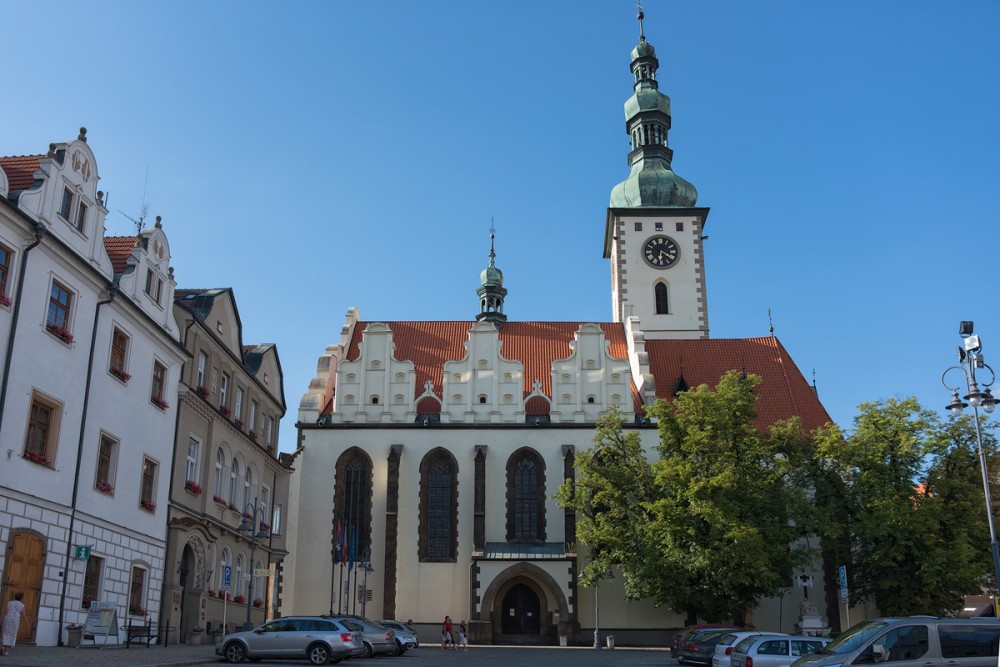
491,291
652,182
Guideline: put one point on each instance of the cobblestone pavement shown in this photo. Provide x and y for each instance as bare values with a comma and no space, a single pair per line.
479,656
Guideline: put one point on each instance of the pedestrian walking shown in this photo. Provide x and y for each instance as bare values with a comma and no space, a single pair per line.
463,638
12,622
447,641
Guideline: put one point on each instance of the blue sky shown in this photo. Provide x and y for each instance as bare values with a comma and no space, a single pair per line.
322,155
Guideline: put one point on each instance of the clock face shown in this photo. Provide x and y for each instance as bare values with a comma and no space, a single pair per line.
661,252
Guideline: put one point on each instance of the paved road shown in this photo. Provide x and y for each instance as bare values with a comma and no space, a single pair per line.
429,656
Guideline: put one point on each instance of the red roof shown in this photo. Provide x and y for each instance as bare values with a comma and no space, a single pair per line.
783,393
535,344
20,170
119,249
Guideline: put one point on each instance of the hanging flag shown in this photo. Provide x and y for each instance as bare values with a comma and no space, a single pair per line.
344,549
340,543
354,545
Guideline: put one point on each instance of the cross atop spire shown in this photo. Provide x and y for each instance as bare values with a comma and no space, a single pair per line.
639,15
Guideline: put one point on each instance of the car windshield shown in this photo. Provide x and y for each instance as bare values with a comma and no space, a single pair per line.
854,638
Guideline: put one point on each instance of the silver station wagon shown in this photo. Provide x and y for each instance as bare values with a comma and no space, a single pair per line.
314,638
774,650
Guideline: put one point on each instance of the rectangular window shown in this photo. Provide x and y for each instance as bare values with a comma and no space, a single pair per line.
137,592
192,460
154,284
107,455
202,363
67,203
658,226
41,432
265,501
276,519
81,216
269,433
159,384
638,226
238,404
679,226
119,353
147,488
224,390
5,256
252,417
60,302
92,581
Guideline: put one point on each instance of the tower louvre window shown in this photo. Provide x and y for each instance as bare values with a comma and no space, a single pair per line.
660,299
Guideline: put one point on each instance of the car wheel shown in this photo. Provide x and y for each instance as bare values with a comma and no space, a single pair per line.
235,652
400,649
319,654
368,652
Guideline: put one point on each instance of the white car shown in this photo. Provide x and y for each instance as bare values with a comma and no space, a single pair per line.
725,646
774,650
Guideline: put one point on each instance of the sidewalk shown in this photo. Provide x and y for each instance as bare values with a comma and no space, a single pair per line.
25,655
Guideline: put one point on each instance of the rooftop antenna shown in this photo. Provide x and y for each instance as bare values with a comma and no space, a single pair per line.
139,223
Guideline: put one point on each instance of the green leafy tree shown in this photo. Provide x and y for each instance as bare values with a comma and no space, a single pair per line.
905,500
613,482
724,527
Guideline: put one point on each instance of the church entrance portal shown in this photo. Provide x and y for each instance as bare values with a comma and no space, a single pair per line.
521,612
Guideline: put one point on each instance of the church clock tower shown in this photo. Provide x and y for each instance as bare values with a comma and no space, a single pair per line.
654,232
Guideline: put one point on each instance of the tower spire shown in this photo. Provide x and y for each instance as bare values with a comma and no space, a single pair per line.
491,291
652,182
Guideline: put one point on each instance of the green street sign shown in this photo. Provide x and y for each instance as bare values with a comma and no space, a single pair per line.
82,553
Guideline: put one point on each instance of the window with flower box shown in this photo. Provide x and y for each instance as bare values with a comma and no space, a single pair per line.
159,385
191,471
43,430
119,355
147,487
57,321
107,457
6,254
92,581
137,592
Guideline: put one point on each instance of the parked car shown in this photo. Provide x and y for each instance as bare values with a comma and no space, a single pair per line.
774,650
699,648
376,637
314,638
675,646
916,640
405,636
726,644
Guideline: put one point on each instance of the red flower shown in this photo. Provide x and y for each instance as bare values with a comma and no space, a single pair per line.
148,505
160,403
120,374
59,332
193,486
4,300
104,485
37,457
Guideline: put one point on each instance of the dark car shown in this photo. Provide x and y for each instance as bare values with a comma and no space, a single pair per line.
699,648
314,638
675,647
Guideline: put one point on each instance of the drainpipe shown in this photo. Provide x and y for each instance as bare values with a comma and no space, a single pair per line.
112,292
39,235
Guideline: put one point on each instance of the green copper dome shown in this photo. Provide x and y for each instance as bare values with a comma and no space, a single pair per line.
651,182
491,276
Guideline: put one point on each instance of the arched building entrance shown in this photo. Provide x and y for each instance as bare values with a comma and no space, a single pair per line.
524,604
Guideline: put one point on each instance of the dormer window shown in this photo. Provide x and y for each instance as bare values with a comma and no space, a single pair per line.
81,217
154,284
66,208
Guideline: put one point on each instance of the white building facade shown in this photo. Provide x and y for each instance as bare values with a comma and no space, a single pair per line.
430,451
90,365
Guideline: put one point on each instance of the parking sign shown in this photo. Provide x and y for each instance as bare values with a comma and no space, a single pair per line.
227,577
843,584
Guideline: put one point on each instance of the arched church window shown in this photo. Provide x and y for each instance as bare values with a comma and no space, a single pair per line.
565,377
456,398
399,399
660,298
483,363
351,377
482,398
400,377
615,377
616,399
438,537
374,399
376,364
591,400
508,399
525,497
456,377
507,377
352,498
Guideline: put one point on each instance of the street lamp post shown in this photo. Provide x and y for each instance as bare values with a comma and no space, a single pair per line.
970,359
253,528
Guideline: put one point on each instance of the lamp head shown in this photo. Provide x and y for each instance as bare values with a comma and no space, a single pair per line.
956,406
246,526
965,328
989,401
975,397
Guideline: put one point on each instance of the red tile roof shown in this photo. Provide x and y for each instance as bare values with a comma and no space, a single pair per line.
783,393
119,249
20,170
535,344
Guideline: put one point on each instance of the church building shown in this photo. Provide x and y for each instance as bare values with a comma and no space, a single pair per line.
429,451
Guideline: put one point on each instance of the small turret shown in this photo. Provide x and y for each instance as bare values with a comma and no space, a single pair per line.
491,291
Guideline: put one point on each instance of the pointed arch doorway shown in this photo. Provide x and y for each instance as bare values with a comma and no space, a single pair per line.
520,611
